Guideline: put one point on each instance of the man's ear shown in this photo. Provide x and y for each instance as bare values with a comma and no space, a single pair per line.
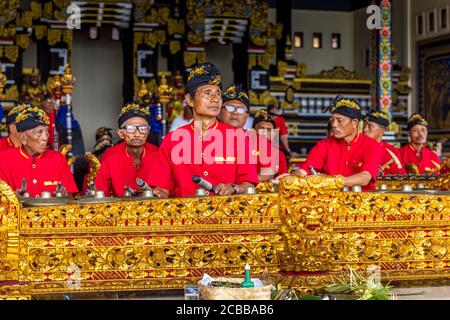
189,100
120,134
23,138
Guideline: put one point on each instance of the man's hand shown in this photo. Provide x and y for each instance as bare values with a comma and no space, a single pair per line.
161,193
224,189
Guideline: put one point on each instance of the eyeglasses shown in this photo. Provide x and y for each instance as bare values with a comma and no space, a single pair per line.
132,129
238,109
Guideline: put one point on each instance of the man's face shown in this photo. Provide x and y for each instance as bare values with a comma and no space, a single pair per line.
134,132
373,130
35,139
342,126
418,134
207,100
266,128
234,113
49,105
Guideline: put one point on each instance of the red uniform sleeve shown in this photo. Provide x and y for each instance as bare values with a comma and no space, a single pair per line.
372,158
103,180
435,158
283,167
161,174
393,169
316,157
281,124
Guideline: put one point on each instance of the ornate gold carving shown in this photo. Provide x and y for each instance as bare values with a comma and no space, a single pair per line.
9,233
40,32
68,80
192,57
306,212
25,19
3,80
36,9
337,73
264,98
53,36
65,149
7,32
8,11
23,41
11,53
11,94
48,10
174,46
164,90
175,26
93,167
308,226
275,31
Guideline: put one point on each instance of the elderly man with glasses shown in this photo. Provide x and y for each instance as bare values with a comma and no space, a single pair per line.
130,159
235,104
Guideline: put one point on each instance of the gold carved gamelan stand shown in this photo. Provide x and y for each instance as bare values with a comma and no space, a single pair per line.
305,233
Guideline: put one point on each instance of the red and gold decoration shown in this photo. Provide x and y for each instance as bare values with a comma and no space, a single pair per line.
309,227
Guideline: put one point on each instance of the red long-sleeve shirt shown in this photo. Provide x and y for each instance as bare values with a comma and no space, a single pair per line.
215,158
334,157
425,159
42,172
117,169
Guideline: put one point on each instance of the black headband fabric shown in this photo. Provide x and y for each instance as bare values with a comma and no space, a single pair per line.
201,75
132,110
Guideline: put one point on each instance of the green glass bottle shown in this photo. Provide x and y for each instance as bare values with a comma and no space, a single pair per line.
247,283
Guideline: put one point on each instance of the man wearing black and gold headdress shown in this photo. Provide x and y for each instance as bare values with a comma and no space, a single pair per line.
375,124
415,156
12,140
130,159
347,152
235,107
206,147
42,168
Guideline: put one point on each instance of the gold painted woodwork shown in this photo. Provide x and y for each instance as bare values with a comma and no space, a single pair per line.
306,226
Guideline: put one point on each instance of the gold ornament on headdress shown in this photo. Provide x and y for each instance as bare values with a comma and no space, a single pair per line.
264,114
231,93
196,71
18,109
28,112
133,106
347,103
379,115
418,117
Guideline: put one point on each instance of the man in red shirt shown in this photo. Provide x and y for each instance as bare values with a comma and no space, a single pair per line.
276,112
41,168
375,124
234,112
415,154
206,148
131,158
49,105
235,107
265,126
347,152
12,140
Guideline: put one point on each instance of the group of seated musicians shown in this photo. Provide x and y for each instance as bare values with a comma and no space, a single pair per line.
168,170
